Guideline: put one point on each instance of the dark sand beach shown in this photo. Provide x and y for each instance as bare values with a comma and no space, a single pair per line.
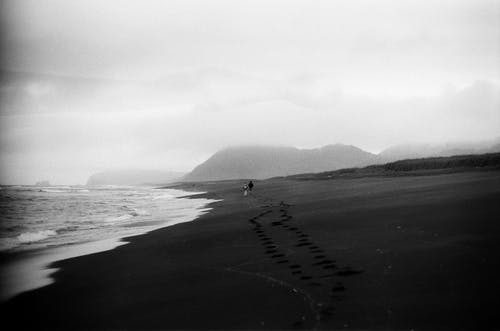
414,252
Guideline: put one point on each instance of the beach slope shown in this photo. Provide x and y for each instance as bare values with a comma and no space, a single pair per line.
412,252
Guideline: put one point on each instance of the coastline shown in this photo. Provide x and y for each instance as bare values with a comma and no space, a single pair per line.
30,269
402,253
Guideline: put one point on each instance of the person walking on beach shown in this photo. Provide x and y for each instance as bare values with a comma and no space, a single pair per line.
245,190
250,186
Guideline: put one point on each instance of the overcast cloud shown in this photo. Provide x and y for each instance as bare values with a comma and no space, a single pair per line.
94,85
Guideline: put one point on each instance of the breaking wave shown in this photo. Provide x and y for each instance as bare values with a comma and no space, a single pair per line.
34,217
29,237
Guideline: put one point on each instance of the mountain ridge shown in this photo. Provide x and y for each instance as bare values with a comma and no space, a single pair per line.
260,162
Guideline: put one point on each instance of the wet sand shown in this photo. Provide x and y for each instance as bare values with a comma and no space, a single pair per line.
415,252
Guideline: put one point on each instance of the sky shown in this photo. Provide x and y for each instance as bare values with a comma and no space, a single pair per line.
88,86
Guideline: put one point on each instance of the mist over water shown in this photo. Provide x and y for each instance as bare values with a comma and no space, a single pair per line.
53,223
40,217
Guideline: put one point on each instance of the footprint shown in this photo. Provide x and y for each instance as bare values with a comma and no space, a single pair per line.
276,223
271,251
277,255
306,277
303,244
338,288
282,261
294,266
296,272
327,276
322,262
294,228
319,257
348,272
330,266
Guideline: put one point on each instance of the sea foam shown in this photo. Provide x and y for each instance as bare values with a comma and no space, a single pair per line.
51,227
29,237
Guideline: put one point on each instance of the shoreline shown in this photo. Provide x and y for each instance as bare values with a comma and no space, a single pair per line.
364,253
30,269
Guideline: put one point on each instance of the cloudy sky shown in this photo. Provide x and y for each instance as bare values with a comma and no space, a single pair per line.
87,86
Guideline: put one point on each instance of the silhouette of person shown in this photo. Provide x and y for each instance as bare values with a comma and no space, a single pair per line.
250,186
245,190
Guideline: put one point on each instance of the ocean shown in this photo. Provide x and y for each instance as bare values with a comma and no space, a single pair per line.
44,224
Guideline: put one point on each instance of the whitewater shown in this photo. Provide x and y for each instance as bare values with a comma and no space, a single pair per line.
42,225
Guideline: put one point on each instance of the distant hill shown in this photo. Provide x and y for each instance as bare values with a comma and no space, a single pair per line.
133,177
413,151
412,167
260,162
